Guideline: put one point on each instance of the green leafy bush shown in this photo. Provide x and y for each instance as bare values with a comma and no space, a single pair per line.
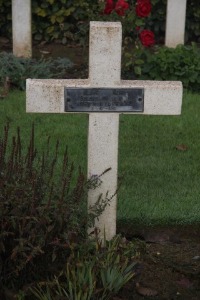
162,63
16,69
64,20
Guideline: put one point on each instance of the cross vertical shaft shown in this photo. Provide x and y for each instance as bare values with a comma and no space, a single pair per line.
105,54
104,71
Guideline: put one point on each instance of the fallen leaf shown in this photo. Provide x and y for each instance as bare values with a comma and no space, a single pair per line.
10,294
197,257
145,291
45,52
43,43
181,147
4,40
185,283
6,88
156,237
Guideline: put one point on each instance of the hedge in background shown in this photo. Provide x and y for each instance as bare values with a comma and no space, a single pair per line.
68,20
162,63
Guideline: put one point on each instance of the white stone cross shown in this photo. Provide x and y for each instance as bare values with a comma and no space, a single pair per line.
160,98
175,23
21,28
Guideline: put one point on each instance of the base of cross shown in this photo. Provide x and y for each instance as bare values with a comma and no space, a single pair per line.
160,98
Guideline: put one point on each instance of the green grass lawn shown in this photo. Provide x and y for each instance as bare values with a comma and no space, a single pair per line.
161,184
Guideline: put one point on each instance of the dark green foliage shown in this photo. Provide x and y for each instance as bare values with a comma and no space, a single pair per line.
192,21
64,20
162,63
5,18
157,19
16,69
40,217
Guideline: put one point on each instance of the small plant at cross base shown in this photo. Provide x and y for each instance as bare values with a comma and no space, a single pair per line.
93,271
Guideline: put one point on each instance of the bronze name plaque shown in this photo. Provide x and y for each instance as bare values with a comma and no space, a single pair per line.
104,99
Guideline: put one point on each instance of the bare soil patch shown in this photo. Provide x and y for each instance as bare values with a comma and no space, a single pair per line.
169,267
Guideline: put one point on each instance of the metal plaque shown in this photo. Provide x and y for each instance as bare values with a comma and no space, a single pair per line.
104,99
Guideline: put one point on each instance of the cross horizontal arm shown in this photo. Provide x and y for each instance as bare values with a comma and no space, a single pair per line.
160,97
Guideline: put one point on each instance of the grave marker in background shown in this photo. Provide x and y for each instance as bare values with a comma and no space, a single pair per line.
56,96
175,23
21,28
22,33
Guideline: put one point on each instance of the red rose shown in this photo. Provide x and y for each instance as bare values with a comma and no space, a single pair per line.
147,38
120,7
143,8
109,7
